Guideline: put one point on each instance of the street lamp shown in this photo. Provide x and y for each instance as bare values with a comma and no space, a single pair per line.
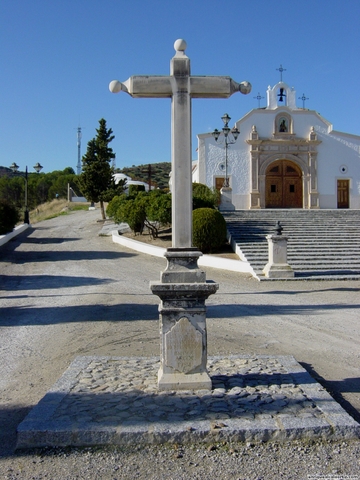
15,169
230,137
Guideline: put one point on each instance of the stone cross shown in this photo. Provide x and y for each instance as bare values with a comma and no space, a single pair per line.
181,87
183,288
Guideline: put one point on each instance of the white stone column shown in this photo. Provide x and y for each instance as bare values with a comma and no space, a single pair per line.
181,150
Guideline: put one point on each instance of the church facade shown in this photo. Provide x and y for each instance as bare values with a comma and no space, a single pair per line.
284,157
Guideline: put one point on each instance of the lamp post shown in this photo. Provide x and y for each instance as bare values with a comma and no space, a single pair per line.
37,167
230,137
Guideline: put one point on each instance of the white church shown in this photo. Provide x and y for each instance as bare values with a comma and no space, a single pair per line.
285,156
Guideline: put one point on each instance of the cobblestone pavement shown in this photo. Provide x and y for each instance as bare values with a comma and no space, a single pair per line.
102,400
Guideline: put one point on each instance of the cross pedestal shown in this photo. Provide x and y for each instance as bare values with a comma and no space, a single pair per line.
182,288
277,266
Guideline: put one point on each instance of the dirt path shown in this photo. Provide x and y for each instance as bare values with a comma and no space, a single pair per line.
65,292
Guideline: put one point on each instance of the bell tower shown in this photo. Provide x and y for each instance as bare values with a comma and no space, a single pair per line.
281,95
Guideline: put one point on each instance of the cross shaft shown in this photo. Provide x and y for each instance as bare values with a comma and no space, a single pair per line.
181,87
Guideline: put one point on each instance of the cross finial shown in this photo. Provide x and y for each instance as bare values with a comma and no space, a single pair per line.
281,70
180,46
303,98
258,98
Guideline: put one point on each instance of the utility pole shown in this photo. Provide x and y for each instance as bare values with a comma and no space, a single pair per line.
79,135
149,172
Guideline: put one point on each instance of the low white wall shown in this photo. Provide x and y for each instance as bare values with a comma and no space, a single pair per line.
137,246
17,230
204,261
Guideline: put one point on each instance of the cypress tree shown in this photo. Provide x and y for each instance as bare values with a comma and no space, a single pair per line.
97,173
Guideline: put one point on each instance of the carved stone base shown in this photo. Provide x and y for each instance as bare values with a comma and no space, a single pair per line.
183,341
181,381
278,271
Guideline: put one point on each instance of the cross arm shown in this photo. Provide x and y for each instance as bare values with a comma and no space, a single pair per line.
140,86
216,87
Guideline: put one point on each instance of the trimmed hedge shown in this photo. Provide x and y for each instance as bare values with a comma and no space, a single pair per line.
204,197
209,230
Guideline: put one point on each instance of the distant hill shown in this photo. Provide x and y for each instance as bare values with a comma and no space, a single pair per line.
159,173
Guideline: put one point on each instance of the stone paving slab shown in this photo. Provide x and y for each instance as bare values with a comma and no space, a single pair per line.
115,400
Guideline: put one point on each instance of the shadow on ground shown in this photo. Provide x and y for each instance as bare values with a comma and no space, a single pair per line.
336,388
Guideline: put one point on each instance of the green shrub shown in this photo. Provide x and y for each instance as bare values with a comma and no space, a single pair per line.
133,213
209,229
205,197
146,209
128,210
135,189
9,216
114,204
158,208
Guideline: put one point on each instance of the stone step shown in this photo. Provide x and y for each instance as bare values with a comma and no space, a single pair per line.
315,266
259,240
305,261
300,248
297,253
325,241
306,264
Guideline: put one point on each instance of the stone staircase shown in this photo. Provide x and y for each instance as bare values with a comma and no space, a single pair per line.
322,244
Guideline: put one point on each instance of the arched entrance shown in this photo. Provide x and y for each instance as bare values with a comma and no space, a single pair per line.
283,185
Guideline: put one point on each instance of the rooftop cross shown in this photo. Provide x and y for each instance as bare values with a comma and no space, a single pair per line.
258,98
303,98
181,87
281,70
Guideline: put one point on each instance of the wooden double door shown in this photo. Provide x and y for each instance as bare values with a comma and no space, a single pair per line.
283,185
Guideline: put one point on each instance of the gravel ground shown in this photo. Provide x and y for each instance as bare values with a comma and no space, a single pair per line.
65,292
268,461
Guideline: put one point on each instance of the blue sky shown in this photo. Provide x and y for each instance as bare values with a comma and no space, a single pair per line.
57,58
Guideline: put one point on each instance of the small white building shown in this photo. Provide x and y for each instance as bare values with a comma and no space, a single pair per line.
129,181
284,157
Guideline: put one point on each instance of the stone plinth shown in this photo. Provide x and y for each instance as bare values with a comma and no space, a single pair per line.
182,266
277,266
183,340
226,199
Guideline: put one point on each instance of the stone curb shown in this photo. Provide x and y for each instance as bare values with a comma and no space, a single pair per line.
92,405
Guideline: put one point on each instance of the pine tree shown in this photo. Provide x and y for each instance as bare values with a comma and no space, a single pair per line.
97,173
